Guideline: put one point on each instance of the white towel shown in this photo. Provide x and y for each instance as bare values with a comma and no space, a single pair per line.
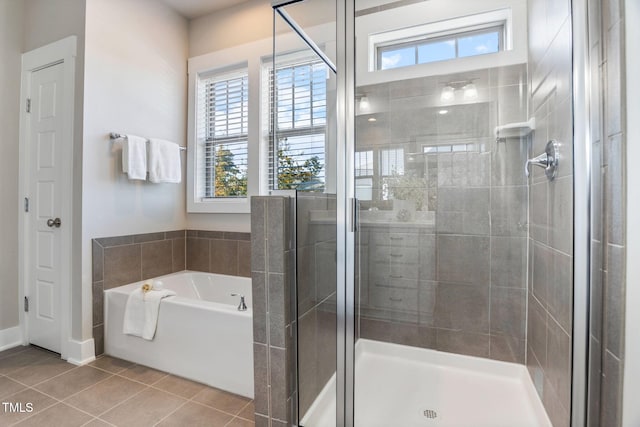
134,157
141,312
164,161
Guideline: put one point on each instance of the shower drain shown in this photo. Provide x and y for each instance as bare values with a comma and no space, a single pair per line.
430,413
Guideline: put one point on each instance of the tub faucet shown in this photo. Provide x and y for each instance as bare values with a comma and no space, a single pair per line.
242,306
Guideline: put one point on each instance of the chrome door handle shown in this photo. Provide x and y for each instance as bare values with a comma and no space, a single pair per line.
54,223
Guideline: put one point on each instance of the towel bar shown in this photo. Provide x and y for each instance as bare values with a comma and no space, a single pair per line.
114,135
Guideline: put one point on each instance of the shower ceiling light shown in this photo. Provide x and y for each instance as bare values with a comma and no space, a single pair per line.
372,119
443,112
470,92
364,104
448,94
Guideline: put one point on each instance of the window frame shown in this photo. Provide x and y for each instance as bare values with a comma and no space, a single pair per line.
211,142
429,38
291,60
206,66
437,16
253,56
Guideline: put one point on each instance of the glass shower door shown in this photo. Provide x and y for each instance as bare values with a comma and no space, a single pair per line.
464,278
303,123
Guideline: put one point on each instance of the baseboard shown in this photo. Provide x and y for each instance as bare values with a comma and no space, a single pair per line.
10,337
81,352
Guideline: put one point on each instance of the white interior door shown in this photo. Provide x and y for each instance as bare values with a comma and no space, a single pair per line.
45,124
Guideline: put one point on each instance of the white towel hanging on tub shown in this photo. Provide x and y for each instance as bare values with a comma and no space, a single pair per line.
141,312
164,161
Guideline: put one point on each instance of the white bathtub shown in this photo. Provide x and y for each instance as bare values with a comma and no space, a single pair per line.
201,335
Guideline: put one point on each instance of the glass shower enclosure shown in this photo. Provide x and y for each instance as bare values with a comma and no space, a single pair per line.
435,242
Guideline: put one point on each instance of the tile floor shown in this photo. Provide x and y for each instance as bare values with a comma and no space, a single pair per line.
109,392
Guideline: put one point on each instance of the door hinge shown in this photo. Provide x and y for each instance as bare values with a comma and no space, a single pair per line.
26,304
26,204
28,105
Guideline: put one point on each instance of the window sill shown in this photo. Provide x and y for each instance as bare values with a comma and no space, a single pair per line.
220,206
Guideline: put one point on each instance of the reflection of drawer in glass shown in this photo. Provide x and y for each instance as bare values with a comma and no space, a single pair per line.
393,270
394,298
386,281
393,254
395,239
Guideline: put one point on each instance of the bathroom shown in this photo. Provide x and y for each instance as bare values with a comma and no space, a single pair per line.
416,246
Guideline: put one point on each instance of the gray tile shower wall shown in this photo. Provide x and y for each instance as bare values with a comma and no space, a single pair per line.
606,35
126,259
550,292
458,285
317,271
272,272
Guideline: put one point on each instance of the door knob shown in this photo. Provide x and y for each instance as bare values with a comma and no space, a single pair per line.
54,223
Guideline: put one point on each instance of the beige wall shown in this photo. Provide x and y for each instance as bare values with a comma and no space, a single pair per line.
244,23
136,82
249,22
11,13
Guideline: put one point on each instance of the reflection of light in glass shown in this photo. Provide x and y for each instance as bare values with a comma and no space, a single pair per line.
372,119
470,92
448,94
364,104
443,112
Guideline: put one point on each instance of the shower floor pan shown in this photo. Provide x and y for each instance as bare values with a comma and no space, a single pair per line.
405,386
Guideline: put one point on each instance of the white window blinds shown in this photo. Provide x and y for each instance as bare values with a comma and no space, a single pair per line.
300,105
223,129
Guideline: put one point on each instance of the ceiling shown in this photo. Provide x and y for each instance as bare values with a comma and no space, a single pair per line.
196,8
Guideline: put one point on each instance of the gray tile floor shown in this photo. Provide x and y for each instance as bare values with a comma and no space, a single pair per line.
108,392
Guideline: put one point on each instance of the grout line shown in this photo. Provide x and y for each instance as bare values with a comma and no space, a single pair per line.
71,395
211,407
99,419
71,370
80,410
43,381
118,404
55,402
172,412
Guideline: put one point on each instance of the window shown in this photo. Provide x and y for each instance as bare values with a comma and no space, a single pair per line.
223,129
392,161
298,159
432,47
364,175
455,148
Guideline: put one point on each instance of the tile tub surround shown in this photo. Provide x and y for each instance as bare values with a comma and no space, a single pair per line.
109,391
221,252
272,266
127,259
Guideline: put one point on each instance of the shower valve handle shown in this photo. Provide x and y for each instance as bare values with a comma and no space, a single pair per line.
547,160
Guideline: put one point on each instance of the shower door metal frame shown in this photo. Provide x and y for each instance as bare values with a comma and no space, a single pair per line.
346,223
345,375
345,190
582,164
